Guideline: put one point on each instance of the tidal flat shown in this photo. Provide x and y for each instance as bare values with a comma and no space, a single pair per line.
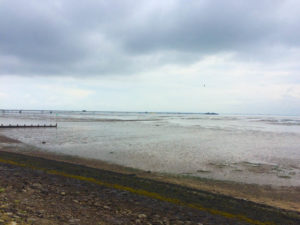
241,148
283,197
248,157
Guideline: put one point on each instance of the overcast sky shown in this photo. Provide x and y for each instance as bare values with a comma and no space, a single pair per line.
172,55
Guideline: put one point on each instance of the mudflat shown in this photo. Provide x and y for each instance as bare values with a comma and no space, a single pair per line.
36,189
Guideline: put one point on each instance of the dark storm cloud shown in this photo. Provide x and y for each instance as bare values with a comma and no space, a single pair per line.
122,37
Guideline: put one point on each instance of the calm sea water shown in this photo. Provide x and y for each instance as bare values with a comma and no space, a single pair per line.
252,149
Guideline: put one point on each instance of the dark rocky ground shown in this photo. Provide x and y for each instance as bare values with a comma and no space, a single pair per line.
34,197
31,194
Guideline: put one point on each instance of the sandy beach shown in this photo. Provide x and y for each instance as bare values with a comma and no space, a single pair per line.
243,149
285,197
17,182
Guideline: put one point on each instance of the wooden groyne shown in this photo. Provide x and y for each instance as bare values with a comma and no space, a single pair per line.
29,126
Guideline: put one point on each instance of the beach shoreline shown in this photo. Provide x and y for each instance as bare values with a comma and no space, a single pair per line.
284,197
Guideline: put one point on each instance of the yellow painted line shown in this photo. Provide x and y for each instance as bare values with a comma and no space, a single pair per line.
144,193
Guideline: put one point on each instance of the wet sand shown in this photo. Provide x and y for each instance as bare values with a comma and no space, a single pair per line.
282,197
285,197
8,140
220,148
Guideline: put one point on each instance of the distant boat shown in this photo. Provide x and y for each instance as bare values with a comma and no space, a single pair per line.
83,110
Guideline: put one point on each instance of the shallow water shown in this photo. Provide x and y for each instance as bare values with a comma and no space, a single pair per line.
252,149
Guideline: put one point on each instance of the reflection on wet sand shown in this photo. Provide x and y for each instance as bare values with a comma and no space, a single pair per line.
250,149
286,197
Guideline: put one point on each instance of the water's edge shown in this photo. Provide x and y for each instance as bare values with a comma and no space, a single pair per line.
285,197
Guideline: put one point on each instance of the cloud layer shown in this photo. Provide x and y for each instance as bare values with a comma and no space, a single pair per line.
151,55
126,37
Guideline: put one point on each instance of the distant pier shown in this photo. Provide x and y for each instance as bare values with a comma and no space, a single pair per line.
29,126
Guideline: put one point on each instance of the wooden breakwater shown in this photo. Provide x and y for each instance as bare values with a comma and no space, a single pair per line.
29,126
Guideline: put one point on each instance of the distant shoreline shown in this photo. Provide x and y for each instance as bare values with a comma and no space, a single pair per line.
54,111
19,111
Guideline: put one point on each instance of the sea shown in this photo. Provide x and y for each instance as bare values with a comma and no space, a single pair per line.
259,149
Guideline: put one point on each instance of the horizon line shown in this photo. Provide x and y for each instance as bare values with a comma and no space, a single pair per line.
168,112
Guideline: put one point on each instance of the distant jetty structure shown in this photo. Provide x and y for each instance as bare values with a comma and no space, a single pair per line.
29,126
210,113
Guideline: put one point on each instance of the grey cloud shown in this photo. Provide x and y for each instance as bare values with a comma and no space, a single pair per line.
31,33
124,37
213,26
